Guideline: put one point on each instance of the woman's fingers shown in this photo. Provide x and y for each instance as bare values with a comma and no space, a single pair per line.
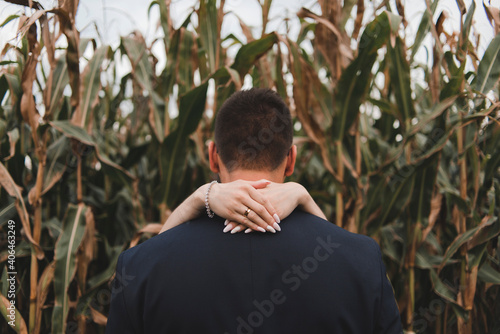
238,228
255,222
235,228
264,208
259,197
245,224
251,220
228,226
259,215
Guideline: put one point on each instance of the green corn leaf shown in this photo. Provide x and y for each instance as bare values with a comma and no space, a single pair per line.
14,85
7,62
446,292
373,198
57,155
399,71
251,52
385,106
226,79
420,204
43,288
297,68
441,288
424,260
392,242
72,53
135,154
136,50
396,195
169,75
491,168
112,253
184,63
225,74
177,46
475,255
423,29
487,231
454,87
96,283
7,212
488,274
437,111
9,19
60,80
488,71
173,152
208,31
65,266
4,88
164,18
355,79
278,75
91,84
467,27
72,131
473,237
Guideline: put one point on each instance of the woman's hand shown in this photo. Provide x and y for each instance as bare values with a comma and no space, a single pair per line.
232,200
284,197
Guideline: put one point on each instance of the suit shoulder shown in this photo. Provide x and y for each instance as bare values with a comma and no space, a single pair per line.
317,224
145,248
176,238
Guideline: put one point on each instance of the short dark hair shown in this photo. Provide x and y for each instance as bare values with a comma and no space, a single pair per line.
253,130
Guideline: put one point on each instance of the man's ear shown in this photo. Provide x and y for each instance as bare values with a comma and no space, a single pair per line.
290,160
213,158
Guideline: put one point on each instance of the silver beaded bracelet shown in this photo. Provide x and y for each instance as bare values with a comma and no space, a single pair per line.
210,213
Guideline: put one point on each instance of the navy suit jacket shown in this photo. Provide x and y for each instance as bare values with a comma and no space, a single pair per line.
312,277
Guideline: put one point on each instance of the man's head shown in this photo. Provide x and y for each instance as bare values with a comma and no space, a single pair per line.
253,136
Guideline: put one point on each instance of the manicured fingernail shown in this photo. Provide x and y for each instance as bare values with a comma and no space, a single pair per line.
277,227
275,216
261,229
226,229
226,222
248,230
271,229
236,229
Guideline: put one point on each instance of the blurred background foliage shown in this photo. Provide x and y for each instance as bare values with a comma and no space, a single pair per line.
405,151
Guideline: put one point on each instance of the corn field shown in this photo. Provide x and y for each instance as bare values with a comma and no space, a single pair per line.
93,160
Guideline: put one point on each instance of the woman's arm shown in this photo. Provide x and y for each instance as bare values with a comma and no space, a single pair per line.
230,201
189,209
